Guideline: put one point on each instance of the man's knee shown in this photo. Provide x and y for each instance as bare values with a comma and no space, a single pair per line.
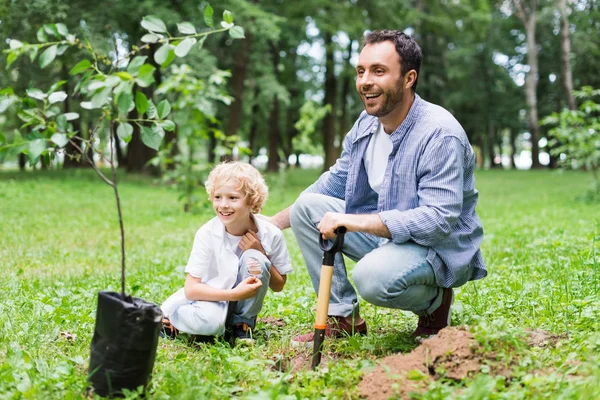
303,208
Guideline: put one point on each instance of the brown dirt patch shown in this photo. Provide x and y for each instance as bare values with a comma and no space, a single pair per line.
540,338
278,322
449,355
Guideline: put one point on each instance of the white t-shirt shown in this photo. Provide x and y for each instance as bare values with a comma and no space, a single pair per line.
213,257
376,157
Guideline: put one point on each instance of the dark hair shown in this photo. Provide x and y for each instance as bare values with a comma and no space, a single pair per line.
407,48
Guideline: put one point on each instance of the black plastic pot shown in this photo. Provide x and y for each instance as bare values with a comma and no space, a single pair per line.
123,348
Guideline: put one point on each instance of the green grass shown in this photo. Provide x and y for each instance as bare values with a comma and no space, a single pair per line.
60,246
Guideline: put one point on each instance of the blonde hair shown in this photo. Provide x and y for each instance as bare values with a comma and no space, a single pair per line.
246,178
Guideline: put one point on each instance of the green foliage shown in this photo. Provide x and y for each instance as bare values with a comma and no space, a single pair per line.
311,115
576,134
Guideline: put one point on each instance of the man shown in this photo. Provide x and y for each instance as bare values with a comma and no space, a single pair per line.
404,189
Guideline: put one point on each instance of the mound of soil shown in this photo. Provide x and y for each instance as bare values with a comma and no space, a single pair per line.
447,355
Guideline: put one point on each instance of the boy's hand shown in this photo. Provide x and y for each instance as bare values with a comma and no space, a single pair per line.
250,241
247,288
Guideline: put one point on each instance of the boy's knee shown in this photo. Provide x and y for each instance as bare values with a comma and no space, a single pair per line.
254,258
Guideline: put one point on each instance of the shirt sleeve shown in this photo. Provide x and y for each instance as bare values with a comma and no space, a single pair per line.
201,255
440,194
279,256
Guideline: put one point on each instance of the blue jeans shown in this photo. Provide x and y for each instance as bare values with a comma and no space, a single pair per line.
386,274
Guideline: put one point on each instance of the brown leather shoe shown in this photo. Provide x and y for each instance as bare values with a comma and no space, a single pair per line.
439,319
336,327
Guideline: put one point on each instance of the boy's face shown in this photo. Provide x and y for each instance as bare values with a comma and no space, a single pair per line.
231,207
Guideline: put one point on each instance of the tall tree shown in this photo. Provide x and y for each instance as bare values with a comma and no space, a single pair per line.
526,11
565,54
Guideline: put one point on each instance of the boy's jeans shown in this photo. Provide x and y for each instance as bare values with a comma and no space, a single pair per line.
388,275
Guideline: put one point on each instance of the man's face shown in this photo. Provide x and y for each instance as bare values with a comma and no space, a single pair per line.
379,80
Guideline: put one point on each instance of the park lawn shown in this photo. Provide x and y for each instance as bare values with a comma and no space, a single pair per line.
60,246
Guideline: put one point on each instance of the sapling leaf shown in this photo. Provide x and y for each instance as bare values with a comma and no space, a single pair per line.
57,85
135,64
151,137
184,47
71,116
7,102
149,38
60,139
36,148
51,29
164,109
100,98
141,103
36,94
48,56
153,24
208,16
81,66
87,105
15,44
187,28
61,49
168,125
125,131
201,42
124,101
160,55
228,16
152,112
237,32
62,29
145,76
41,35
33,52
57,97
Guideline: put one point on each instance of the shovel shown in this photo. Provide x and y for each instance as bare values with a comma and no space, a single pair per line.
329,250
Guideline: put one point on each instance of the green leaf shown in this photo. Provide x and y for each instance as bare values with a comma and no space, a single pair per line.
141,103
227,25
164,109
71,116
149,38
237,32
135,64
41,35
153,24
7,102
36,148
33,52
87,105
126,76
57,85
61,49
60,139
152,137
57,97
15,44
62,29
36,94
161,55
125,131
170,58
51,29
187,28
61,122
2,139
152,113
124,101
201,42
228,16
81,66
48,56
168,125
145,75
184,47
12,57
208,16
100,98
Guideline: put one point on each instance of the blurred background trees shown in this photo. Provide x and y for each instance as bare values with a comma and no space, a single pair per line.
499,65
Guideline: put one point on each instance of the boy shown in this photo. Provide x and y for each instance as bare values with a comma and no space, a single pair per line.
235,258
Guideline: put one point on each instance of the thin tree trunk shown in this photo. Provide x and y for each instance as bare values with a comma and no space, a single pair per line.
480,154
254,125
274,130
528,17
565,52
491,141
329,132
212,146
22,161
291,118
513,148
346,86
238,78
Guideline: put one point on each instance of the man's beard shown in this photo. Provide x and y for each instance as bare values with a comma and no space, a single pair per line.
393,98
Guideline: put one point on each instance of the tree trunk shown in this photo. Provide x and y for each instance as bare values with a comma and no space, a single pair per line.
346,86
212,146
565,52
291,118
513,148
22,161
528,17
480,154
238,78
274,130
491,141
329,132
254,125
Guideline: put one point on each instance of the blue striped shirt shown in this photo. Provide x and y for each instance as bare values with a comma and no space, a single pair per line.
428,193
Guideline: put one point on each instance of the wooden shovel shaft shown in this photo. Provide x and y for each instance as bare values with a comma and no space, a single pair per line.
323,297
